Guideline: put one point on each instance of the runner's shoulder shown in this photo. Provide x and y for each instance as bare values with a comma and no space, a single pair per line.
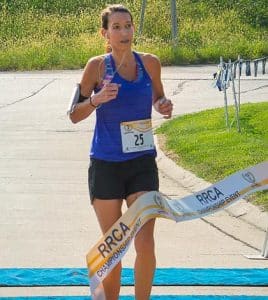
149,58
94,62
152,64
92,71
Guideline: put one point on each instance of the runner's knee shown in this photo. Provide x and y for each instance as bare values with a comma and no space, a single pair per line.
144,240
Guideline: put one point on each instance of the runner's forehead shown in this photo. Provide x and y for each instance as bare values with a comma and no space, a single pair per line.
120,18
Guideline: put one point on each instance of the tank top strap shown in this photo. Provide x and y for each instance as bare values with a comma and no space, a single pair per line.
110,68
139,61
141,68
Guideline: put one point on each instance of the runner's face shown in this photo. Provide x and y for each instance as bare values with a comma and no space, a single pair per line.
120,30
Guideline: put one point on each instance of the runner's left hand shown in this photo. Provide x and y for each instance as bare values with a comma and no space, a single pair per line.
165,107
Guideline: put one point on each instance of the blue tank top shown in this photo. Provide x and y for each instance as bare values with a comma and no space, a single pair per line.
133,102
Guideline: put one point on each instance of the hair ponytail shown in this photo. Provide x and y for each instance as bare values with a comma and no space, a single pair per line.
108,47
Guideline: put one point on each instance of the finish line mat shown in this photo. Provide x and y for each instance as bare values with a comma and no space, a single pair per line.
26,277
162,297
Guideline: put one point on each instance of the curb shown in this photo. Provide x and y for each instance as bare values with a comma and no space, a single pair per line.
243,210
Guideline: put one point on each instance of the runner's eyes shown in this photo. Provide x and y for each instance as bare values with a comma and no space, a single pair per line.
127,26
116,27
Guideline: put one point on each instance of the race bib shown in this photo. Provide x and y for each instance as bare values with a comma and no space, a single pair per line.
137,136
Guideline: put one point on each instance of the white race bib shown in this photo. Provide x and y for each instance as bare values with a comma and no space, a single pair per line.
137,136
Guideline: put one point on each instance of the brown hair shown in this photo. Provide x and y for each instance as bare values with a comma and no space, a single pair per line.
112,9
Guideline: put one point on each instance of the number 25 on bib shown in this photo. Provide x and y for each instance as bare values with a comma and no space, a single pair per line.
137,136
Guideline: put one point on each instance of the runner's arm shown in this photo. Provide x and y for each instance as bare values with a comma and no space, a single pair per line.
161,104
91,78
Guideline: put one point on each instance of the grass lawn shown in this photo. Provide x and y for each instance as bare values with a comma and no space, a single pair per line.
64,34
201,143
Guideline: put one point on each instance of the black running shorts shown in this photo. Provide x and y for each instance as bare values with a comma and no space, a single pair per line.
117,180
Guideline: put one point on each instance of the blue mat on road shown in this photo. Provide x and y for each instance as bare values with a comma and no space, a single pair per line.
11,277
162,297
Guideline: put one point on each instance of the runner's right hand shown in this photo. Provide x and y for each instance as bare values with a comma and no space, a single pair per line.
106,94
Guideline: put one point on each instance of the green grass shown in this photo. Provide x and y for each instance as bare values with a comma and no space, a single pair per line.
63,34
202,144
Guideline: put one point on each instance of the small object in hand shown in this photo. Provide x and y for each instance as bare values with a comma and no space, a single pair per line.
162,100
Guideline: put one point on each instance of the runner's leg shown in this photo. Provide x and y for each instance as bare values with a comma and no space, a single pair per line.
145,256
108,212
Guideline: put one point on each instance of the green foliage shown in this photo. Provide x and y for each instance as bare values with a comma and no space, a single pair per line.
253,12
207,30
203,145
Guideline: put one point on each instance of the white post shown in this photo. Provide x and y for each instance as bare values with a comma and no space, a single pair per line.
224,94
235,101
264,252
238,82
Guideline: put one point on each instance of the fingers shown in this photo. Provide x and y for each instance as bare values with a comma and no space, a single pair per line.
111,89
108,92
166,109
